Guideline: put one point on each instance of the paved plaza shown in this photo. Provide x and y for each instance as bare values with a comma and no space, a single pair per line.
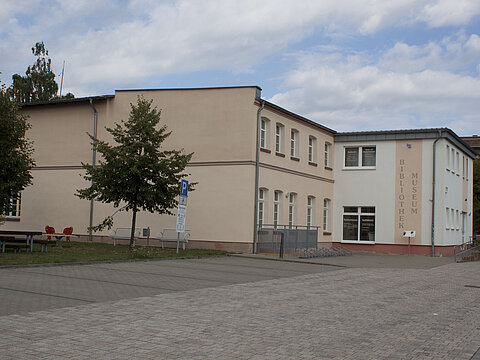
242,308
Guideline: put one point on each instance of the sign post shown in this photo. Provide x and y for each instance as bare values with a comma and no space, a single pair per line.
182,210
409,234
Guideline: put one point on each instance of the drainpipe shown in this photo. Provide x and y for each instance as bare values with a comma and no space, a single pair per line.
257,172
94,158
433,189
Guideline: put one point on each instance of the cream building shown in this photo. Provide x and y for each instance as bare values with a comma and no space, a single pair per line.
220,126
257,163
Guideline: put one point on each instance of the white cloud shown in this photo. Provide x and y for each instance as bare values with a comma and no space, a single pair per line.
408,87
118,44
449,13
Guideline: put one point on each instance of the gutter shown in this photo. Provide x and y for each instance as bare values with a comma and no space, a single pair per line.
94,159
257,173
433,188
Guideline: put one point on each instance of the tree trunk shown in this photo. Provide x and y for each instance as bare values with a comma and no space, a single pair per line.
132,234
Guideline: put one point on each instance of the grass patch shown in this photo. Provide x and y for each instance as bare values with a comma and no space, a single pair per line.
86,252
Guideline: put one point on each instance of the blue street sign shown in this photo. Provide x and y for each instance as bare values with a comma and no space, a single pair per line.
184,188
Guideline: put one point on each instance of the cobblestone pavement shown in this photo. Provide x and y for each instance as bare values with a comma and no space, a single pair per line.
349,313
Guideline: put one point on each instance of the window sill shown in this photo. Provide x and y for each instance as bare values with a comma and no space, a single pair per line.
294,158
328,168
327,233
10,218
280,154
358,242
352,168
312,163
265,150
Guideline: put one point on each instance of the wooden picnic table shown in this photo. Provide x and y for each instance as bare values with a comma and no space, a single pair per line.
28,237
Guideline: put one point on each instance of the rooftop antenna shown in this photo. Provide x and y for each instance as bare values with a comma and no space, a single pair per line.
61,82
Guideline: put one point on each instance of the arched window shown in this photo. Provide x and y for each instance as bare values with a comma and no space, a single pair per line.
310,210
262,199
277,207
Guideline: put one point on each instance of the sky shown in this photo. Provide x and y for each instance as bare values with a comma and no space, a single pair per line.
348,65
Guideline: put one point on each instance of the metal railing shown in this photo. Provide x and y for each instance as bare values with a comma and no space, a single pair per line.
286,239
467,249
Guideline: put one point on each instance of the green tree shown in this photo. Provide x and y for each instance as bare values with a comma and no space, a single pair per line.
39,83
15,151
476,195
137,172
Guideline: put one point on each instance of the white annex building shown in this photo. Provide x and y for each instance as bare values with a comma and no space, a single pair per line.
260,170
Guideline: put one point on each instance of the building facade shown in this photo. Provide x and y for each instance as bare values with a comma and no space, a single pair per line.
258,165
392,182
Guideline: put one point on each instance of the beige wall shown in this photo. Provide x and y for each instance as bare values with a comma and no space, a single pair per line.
218,125
408,190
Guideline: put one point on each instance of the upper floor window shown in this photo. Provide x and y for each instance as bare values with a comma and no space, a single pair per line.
452,158
310,210
294,143
458,163
15,207
279,138
327,155
360,156
264,133
312,149
448,157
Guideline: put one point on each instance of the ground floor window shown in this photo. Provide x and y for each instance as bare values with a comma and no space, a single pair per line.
15,207
359,223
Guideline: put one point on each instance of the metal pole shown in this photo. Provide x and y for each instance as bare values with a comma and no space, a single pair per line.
178,240
433,189
257,171
94,155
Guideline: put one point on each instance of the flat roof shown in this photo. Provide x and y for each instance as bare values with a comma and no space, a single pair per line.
68,101
194,88
407,134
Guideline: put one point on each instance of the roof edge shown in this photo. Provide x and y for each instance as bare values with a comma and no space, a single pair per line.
68,101
407,134
193,88
296,116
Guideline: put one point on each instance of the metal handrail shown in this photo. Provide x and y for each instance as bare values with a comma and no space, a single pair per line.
466,247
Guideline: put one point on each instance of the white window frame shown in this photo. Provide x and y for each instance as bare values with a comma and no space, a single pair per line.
15,207
310,210
294,143
264,133
277,207
458,163
360,212
292,197
458,219
448,157
262,206
452,152
279,138
327,154
326,214
447,218
452,218
312,149
359,157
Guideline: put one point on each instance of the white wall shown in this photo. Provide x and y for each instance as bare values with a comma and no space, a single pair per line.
372,187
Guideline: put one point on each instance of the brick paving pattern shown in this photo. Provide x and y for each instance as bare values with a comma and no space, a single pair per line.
302,312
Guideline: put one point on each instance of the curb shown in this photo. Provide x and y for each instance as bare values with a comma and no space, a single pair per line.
245,256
